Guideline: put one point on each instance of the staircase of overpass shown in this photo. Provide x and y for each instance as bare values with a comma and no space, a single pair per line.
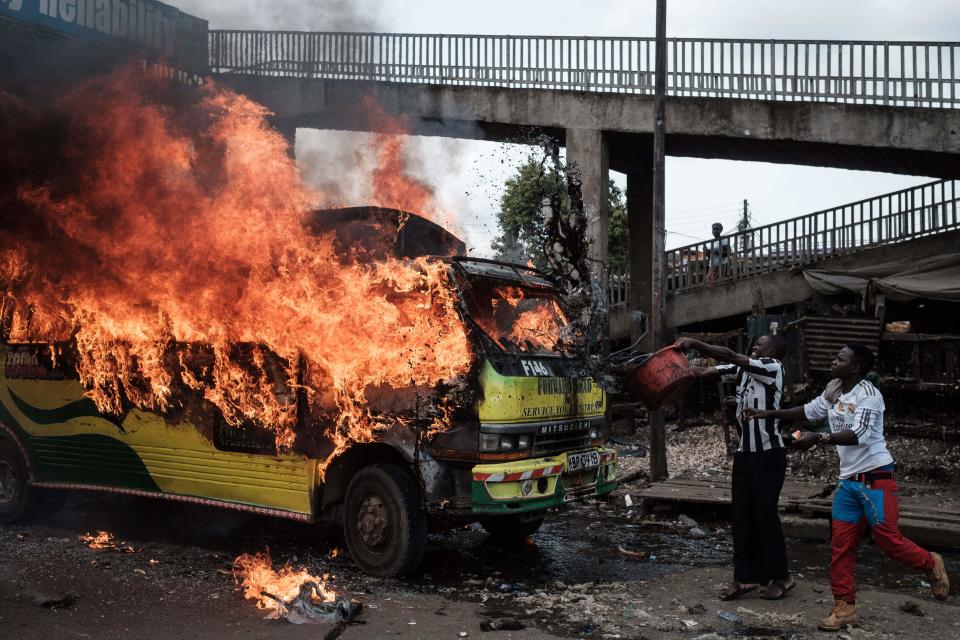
908,222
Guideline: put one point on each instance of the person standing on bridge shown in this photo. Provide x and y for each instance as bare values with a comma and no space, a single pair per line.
867,490
718,257
759,466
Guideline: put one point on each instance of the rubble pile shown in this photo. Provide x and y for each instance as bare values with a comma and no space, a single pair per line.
697,451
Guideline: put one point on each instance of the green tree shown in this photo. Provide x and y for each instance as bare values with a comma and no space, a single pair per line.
521,224
619,238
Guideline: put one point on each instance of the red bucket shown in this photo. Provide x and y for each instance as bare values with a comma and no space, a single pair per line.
663,378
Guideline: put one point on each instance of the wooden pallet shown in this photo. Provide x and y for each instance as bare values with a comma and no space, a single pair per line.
922,519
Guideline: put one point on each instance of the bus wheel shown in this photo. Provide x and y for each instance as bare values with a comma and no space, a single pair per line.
14,491
384,522
513,527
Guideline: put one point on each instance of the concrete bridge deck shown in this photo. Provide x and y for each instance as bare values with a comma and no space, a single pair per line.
909,140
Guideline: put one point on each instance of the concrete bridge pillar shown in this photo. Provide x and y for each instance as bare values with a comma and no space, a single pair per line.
588,148
288,131
641,253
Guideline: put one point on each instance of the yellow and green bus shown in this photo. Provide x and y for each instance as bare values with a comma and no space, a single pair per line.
529,442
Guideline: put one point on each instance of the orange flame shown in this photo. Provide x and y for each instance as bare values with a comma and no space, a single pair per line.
105,540
176,237
539,326
523,319
256,576
393,185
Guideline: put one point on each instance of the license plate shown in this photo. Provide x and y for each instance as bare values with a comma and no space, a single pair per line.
585,460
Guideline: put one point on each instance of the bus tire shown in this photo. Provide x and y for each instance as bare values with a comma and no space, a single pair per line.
384,523
14,487
512,527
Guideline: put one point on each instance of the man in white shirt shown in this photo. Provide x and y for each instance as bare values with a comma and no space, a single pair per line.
867,491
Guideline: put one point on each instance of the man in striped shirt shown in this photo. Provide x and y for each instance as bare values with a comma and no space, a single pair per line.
759,466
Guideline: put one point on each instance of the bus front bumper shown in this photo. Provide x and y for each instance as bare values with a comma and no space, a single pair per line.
541,483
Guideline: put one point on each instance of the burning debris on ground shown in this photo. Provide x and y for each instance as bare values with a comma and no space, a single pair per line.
291,594
105,540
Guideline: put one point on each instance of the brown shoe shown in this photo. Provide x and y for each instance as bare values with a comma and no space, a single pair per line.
843,614
939,580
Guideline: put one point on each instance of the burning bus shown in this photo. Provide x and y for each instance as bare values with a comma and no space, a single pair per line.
447,403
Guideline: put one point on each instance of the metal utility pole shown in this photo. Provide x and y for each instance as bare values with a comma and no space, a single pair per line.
658,445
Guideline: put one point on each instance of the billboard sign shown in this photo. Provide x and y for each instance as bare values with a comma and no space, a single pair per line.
155,26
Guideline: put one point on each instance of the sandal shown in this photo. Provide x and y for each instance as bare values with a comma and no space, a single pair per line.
734,590
778,589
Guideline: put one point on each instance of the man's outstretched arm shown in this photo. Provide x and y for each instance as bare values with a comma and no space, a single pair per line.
807,439
713,351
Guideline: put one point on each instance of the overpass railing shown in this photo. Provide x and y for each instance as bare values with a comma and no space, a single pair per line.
892,218
923,74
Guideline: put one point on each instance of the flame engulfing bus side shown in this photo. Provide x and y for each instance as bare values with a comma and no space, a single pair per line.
516,436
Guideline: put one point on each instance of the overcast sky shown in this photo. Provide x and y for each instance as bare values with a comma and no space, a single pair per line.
468,176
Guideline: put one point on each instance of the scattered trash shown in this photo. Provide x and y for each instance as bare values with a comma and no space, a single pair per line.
56,603
687,521
506,587
153,562
709,636
462,634
913,608
627,500
690,624
630,553
140,571
587,629
729,617
503,624
304,608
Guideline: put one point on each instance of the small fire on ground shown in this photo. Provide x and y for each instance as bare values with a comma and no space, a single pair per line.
293,594
105,540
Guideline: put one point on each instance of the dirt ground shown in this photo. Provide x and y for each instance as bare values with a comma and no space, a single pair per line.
598,570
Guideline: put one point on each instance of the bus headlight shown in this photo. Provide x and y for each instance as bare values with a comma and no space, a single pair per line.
526,487
489,442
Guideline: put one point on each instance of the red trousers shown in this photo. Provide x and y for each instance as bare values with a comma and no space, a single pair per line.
856,506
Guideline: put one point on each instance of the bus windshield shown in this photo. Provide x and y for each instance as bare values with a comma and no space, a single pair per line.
515,318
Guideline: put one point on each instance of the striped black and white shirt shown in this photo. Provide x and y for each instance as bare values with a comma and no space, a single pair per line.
760,386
